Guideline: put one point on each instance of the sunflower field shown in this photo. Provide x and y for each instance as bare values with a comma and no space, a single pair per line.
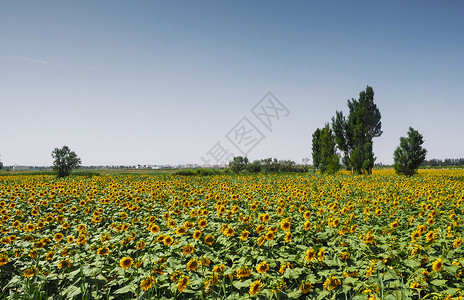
280,236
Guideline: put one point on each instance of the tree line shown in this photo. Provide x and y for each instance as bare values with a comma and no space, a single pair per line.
353,135
240,164
448,162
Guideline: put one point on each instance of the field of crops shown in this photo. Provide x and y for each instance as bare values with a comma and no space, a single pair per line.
213,237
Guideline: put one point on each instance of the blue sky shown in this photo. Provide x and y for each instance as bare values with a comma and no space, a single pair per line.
145,82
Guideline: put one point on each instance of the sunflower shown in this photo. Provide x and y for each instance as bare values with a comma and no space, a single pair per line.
30,227
306,287
310,254
16,224
168,240
262,267
81,240
243,272
284,267
172,223
65,225
260,228
320,254
140,244
66,263
255,287
209,240
202,223
176,276
50,255
229,231
429,237
331,283
58,237
269,236
457,243
415,234
147,283
192,265
395,224
285,224
204,261
219,268
154,229
437,265
33,253
344,255
181,230
65,251
183,283
288,237
187,249
197,234
70,239
307,225
261,240
30,272
81,227
126,262
307,214
4,259
244,235
103,251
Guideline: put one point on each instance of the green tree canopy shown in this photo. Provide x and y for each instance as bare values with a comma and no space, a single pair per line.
409,154
65,161
238,164
354,134
325,157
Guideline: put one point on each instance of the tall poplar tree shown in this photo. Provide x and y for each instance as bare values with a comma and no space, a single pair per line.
354,134
324,149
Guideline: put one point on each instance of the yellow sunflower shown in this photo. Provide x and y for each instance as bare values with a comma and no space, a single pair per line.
126,262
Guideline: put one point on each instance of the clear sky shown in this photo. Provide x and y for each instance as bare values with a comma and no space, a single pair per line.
162,82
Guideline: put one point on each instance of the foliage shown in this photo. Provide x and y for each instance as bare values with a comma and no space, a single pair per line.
410,154
197,172
354,134
267,236
459,162
325,157
268,165
238,164
64,161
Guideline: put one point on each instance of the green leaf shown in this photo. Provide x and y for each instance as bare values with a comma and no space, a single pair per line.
125,289
411,263
324,294
294,295
438,282
72,291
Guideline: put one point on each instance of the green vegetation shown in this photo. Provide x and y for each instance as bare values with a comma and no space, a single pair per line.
65,161
409,154
325,157
268,165
354,134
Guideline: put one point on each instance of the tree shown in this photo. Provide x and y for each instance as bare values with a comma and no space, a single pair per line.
1,165
354,134
325,157
238,164
409,154
65,161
